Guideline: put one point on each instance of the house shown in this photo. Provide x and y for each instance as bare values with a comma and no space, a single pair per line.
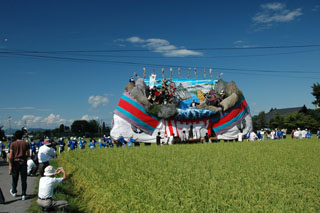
285,111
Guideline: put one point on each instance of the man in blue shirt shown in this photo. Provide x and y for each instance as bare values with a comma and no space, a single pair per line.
121,141
100,144
3,153
80,143
40,143
131,141
61,144
33,147
92,144
110,143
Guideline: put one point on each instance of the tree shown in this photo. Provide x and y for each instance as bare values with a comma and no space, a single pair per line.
80,127
103,128
61,129
259,121
94,128
316,94
277,121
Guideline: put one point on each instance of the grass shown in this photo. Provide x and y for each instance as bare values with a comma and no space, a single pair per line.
267,176
61,192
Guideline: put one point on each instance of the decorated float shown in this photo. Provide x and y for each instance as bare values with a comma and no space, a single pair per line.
183,108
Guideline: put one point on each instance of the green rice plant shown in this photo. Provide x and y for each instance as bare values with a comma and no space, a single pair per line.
263,176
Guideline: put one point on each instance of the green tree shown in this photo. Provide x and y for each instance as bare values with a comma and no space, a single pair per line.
80,127
259,121
61,129
316,94
277,121
94,128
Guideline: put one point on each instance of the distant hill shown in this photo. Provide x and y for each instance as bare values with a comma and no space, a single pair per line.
12,131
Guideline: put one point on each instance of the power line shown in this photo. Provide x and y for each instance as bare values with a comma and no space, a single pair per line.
148,50
196,57
163,65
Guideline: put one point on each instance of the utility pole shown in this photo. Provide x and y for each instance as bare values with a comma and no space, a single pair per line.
9,120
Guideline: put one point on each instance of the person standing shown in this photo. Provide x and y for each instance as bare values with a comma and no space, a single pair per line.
158,139
206,138
19,153
3,153
61,144
33,147
44,155
46,186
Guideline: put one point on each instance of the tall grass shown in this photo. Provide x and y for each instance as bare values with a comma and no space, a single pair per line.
282,175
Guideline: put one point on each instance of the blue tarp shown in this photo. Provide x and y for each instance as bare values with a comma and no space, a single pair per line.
185,104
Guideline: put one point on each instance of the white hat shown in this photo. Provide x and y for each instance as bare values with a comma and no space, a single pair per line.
49,170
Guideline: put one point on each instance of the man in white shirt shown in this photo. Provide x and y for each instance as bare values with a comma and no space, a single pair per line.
44,155
46,186
253,136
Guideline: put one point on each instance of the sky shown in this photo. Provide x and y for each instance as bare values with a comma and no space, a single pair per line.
62,61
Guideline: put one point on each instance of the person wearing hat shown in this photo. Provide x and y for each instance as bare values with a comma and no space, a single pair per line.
46,186
44,155
19,153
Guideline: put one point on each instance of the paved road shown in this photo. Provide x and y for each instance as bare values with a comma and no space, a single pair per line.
15,204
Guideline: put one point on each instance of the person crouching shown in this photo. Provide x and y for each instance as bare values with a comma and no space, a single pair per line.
46,186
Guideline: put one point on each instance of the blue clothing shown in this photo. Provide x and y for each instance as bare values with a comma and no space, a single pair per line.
130,142
100,144
33,146
92,144
309,135
80,144
9,144
40,143
72,144
318,134
3,147
110,143
121,140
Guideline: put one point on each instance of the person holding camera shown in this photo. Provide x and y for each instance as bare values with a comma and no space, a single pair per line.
18,156
46,186
44,155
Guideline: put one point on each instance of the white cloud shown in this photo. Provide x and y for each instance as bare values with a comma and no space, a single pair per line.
238,42
23,108
163,46
273,6
87,117
275,12
97,101
50,121
316,8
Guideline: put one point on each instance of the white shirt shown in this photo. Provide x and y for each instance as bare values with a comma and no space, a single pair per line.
45,154
170,141
31,165
46,186
240,137
253,136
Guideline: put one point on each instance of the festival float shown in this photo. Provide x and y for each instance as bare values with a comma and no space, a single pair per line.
183,108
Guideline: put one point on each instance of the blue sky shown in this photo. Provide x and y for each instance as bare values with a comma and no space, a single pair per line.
54,86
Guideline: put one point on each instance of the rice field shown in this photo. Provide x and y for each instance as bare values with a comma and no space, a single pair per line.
267,176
